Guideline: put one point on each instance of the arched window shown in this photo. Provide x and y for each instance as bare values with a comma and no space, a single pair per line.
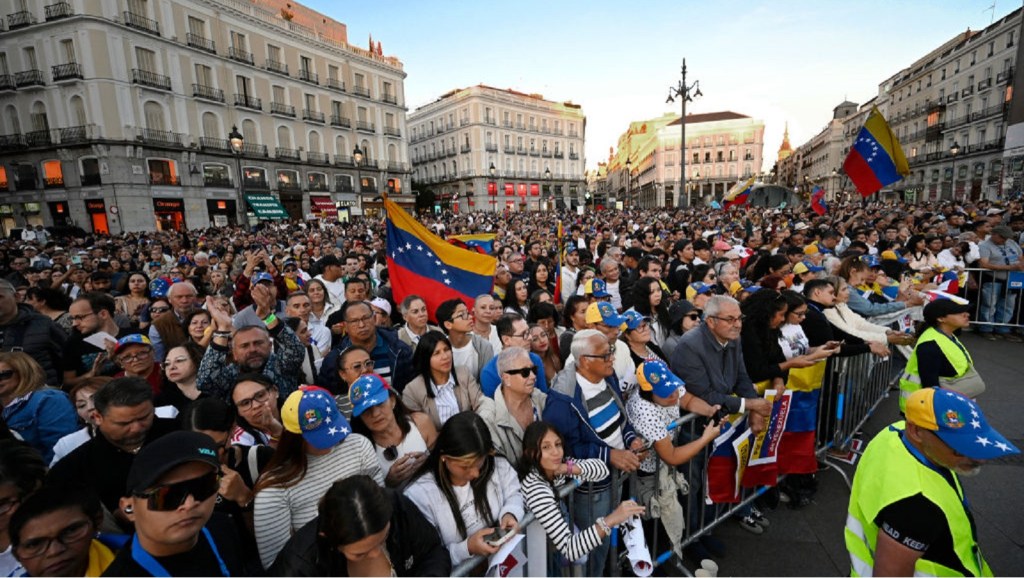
250,132
284,137
392,153
216,175
77,108
154,114
341,149
343,183
317,182
315,143
11,119
38,117
368,156
163,172
211,126
53,174
288,180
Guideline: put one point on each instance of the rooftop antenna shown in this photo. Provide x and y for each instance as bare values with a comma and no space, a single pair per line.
992,9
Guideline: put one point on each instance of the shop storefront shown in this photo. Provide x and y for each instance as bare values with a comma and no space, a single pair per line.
223,212
322,207
97,211
170,214
60,213
292,203
266,207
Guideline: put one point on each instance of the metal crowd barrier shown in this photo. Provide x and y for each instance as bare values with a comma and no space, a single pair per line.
853,387
995,296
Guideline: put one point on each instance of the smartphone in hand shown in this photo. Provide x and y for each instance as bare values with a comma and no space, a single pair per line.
498,537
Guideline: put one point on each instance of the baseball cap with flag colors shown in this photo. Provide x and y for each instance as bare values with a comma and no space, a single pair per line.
596,287
654,376
367,391
958,422
603,312
312,412
697,288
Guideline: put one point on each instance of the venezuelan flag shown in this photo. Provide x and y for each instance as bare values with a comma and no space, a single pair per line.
484,241
738,196
818,201
876,158
422,263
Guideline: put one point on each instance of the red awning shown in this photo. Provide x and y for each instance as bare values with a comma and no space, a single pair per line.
323,205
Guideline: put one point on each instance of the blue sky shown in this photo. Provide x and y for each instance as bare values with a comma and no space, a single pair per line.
778,61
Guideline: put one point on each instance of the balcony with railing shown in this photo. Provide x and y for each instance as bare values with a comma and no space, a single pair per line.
389,98
985,84
365,126
10,142
255,184
201,43
335,84
343,187
574,134
309,76
967,91
150,79
465,149
247,101
312,115
490,121
254,150
286,153
491,147
160,137
140,22
207,92
545,154
6,82
223,182
342,121
58,10
316,186
395,167
276,66
240,55
559,154
207,143
534,153
361,91
53,182
318,158
1004,76
521,151
557,132
282,109
69,71
38,138
20,19
392,131
343,161
510,150
164,180
29,78
574,156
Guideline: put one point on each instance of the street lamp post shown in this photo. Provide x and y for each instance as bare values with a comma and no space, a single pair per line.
551,189
357,159
629,183
493,172
953,151
237,143
682,92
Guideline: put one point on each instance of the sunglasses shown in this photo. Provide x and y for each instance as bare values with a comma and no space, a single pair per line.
692,316
171,496
523,371
7,374
159,309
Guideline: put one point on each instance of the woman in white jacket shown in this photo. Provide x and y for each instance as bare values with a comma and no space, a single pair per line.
845,319
465,490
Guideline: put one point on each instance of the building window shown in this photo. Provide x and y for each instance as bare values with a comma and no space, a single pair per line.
216,175
145,59
288,180
163,172
317,182
53,174
90,171
343,183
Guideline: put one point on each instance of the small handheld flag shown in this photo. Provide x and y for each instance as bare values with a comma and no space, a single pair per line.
739,194
818,204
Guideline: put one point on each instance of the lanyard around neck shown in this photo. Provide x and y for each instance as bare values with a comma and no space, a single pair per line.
154,568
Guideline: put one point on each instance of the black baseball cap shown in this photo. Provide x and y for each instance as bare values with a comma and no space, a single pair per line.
327,261
165,454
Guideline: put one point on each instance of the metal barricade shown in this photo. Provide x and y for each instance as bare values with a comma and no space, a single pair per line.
995,297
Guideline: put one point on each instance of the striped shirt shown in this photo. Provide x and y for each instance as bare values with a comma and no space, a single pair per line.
381,356
539,496
280,511
603,412
444,398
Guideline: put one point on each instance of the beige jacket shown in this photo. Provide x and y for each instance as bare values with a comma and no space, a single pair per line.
506,431
467,392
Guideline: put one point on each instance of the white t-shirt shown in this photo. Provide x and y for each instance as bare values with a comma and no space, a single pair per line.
613,290
793,341
335,288
466,356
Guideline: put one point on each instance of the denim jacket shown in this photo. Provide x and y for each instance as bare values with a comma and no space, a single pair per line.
41,418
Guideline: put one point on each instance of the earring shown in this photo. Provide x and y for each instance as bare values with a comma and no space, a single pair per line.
128,509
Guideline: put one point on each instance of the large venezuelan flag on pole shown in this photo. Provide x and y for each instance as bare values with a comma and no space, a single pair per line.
876,158
738,196
423,264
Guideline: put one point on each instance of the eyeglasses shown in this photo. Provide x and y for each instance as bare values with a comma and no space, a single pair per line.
361,366
360,320
261,398
604,357
71,534
5,375
80,317
136,356
523,335
798,313
171,496
730,320
461,315
692,316
159,309
523,371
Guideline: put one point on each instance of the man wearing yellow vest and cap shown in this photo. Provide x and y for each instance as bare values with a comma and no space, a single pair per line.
908,514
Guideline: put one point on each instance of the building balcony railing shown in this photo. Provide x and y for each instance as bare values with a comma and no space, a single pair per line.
77,134
58,10
361,91
342,121
248,101
343,161
533,128
574,156
557,132
240,55
506,124
6,82
510,150
92,180
275,66
392,131
521,151
985,84
559,155
164,180
309,76
286,153
318,158
534,153
140,22
395,167
20,19
365,126
450,152
463,122
288,186
254,150
207,143
12,142
38,138
574,134
952,98
222,182
1004,76
255,184
160,137
335,84
207,92
282,109
312,115
967,91
465,149
389,99
491,147
430,156
490,121
53,183
66,71
204,44
319,187
29,78
150,79
545,154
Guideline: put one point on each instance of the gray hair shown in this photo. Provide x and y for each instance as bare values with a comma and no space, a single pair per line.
608,262
509,355
406,303
191,287
7,287
714,305
582,342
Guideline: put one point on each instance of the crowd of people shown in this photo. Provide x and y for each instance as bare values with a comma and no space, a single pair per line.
259,401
